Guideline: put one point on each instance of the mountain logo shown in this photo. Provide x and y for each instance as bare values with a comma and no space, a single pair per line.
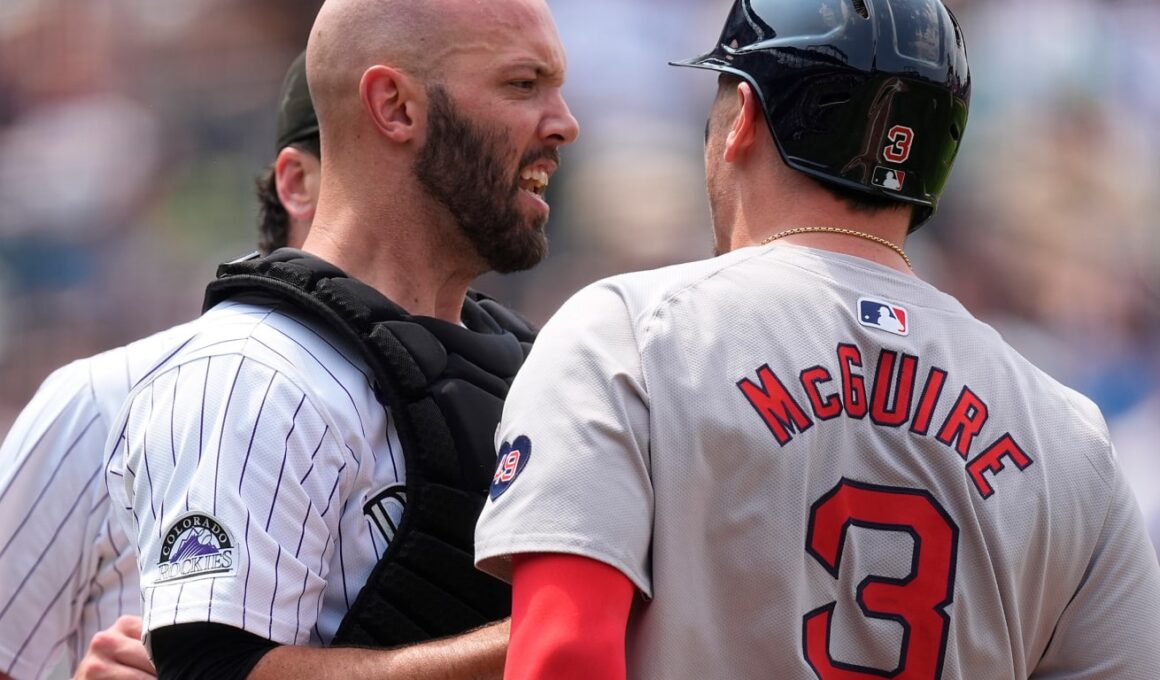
196,546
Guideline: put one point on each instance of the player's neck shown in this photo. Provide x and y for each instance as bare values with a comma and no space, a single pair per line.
758,222
848,241
406,265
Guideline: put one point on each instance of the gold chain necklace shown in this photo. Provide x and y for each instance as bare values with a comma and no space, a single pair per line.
845,232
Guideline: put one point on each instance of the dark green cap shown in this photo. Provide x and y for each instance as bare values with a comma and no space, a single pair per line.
296,118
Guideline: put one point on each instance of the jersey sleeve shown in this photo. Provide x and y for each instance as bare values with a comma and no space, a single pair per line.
52,497
1111,626
231,475
573,466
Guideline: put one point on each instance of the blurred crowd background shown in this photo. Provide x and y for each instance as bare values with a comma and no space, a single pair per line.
131,132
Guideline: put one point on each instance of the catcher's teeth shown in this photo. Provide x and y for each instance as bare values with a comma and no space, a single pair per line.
534,180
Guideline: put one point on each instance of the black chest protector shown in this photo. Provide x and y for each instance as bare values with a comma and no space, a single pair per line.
444,386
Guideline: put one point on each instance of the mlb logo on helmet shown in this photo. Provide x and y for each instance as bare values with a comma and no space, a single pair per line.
510,462
889,178
885,316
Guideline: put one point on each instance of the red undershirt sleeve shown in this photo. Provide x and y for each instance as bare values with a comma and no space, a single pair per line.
568,618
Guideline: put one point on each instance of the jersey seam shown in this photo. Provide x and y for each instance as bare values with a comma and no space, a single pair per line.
91,390
1083,581
311,397
275,306
348,472
583,546
652,316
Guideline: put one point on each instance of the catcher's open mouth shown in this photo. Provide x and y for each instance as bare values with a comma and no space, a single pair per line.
534,181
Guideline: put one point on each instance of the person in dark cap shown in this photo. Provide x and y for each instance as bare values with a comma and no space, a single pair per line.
288,189
67,570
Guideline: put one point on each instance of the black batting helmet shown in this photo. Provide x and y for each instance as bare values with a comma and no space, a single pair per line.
866,94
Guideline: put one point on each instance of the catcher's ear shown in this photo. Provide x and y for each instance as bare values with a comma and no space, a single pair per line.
391,99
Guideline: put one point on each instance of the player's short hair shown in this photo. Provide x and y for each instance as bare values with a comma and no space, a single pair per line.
860,201
856,200
273,222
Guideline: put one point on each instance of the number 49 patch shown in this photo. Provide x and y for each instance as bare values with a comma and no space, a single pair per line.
511,460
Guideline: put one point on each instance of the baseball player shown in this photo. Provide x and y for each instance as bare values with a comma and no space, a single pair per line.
798,460
267,486
66,567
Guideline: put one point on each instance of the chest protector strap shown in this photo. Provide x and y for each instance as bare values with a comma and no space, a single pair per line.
444,386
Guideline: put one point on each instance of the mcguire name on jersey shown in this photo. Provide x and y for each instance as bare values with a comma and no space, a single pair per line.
838,386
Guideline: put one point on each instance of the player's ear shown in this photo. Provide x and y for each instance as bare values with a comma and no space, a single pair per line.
391,99
296,175
746,126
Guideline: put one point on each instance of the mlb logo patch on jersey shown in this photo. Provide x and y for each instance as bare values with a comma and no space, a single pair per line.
885,316
510,462
196,546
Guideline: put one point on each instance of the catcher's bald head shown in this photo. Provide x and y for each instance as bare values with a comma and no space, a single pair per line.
350,36
433,114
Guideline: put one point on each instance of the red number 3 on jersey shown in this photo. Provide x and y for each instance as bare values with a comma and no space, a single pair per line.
898,150
916,602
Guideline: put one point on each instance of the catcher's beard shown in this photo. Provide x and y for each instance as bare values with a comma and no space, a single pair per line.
461,166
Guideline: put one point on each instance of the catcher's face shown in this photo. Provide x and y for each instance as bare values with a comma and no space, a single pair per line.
496,122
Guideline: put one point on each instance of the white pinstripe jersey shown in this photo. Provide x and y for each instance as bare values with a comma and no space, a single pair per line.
818,467
262,476
66,567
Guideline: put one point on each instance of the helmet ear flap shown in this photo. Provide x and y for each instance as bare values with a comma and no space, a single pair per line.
867,95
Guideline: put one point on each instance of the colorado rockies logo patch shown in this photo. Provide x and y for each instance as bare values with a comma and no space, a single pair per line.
512,459
196,546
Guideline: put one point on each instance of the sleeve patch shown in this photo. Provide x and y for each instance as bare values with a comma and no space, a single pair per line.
196,546
513,457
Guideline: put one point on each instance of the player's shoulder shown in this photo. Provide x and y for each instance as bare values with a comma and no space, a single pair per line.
640,293
1066,415
112,374
1073,414
258,333
1062,420
264,330
63,400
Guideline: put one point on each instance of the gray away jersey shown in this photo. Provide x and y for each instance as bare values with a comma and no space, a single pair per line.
260,476
66,567
813,466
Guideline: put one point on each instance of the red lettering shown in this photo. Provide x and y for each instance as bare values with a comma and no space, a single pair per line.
964,422
880,411
930,394
824,408
775,405
853,384
991,460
